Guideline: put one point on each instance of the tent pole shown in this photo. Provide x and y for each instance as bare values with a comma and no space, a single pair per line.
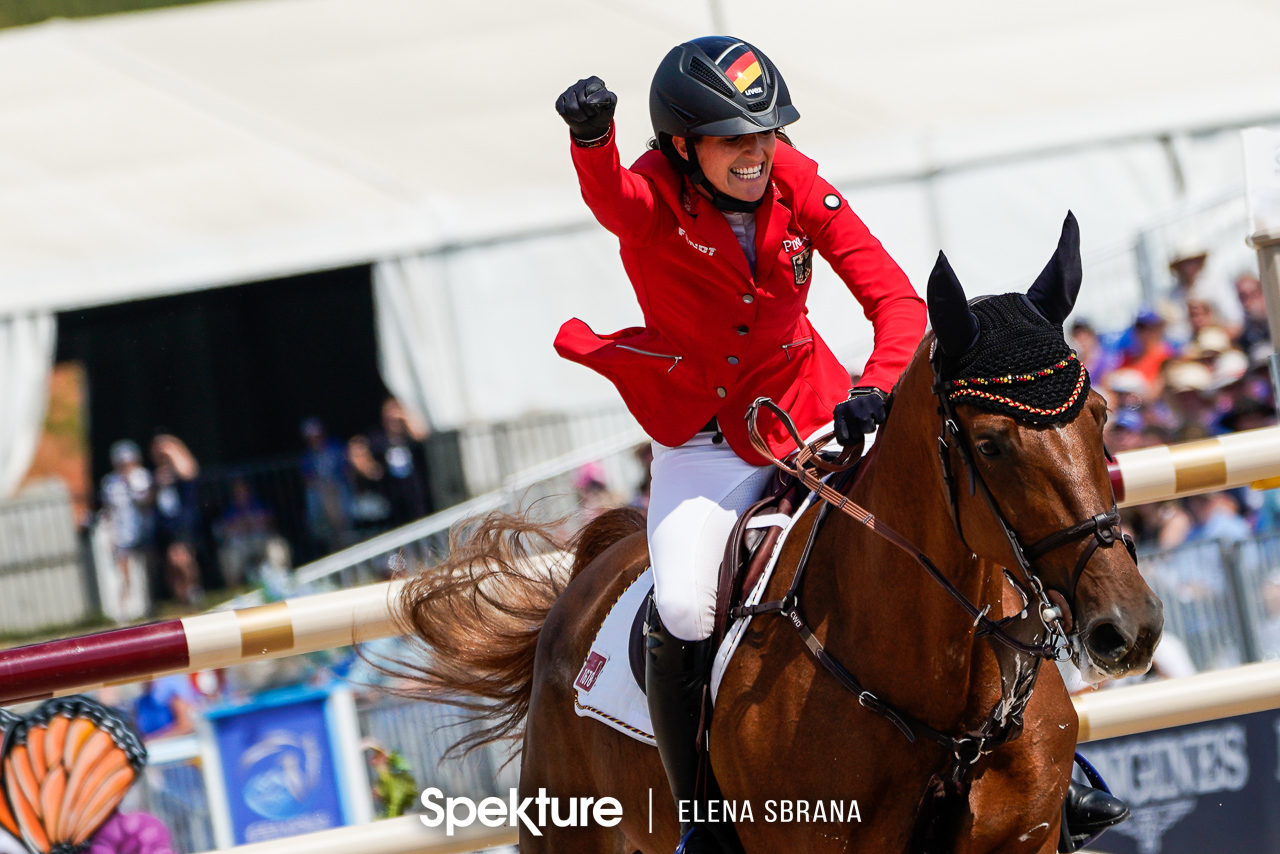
1268,247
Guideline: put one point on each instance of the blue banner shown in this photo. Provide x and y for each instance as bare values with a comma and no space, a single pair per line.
1204,787
278,766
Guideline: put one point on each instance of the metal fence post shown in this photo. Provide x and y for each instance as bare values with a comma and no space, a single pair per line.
1268,246
89,570
1239,592
1142,261
446,480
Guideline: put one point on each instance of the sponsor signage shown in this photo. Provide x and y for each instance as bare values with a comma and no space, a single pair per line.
279,768
1204,787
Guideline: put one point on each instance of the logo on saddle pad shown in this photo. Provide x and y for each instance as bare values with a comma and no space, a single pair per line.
590,671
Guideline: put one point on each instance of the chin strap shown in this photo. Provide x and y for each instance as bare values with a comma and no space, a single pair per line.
691,169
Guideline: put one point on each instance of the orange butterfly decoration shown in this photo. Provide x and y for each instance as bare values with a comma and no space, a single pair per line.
66,768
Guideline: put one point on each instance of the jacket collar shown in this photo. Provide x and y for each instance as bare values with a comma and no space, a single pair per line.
698,216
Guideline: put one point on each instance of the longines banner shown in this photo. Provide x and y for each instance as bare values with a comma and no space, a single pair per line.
1206,787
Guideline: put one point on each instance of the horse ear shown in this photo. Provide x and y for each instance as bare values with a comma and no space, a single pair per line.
953,322
1056,288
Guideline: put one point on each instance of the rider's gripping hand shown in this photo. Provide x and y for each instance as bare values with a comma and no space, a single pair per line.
587,108
860,414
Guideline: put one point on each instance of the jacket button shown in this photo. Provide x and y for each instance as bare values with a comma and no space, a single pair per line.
742,330
733,360
748,299
721,392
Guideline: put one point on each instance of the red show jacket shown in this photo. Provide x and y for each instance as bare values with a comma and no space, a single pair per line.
717,337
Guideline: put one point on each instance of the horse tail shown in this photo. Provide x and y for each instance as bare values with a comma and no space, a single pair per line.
478,615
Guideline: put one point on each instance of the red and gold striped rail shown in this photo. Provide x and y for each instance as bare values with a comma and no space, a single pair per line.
202,642
1175,702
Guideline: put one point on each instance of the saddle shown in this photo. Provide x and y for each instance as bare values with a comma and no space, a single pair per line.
751,543
746,555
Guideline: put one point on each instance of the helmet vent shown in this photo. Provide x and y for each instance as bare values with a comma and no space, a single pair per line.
703,72
760,106
771,71
685,116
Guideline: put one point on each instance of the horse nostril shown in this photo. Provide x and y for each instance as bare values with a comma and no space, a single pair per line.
1107,642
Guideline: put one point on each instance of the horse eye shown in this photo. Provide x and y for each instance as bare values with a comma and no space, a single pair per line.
988,448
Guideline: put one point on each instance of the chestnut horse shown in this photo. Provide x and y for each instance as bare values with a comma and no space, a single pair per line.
783,728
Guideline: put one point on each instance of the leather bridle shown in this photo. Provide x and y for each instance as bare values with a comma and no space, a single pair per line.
1047,641
1104,528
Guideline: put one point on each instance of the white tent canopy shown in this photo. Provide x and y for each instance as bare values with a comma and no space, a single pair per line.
227,142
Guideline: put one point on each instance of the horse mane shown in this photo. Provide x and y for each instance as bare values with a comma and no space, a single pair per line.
476,617
603,531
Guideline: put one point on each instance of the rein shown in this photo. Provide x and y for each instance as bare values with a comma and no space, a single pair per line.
946,795
809,456
1005,721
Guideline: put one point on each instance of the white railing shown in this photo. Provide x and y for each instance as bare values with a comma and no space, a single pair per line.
421,543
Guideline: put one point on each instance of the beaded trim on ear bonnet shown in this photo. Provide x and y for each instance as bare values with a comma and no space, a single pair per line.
1007,353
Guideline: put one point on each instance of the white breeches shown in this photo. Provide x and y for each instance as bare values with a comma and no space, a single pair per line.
697,493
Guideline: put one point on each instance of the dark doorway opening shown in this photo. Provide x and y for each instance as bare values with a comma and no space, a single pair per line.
231,371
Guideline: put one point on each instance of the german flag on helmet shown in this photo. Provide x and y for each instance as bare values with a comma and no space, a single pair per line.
744,70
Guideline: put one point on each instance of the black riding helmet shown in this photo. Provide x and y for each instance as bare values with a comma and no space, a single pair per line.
716,86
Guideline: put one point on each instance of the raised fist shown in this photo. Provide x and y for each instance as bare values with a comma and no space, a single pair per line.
587,108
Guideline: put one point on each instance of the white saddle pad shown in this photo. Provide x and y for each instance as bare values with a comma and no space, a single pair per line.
606,690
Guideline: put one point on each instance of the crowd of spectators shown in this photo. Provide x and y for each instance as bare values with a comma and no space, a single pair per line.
372,482
1189,368
156,526
171,529
153,518
1181,372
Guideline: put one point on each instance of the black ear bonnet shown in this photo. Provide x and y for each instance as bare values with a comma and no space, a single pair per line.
1019,366
1007,353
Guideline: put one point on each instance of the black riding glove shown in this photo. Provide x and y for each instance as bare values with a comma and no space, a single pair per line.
587,108
860,414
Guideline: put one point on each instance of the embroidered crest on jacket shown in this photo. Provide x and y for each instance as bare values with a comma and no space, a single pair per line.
802,265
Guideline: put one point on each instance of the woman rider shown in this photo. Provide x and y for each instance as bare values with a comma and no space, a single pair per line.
717,230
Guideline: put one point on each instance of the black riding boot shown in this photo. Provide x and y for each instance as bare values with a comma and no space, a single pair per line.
1086,812
674,674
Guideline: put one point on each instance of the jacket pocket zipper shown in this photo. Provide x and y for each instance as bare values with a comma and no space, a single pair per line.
675,360
786,348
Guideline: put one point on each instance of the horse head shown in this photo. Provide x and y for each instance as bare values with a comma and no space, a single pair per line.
1029,482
